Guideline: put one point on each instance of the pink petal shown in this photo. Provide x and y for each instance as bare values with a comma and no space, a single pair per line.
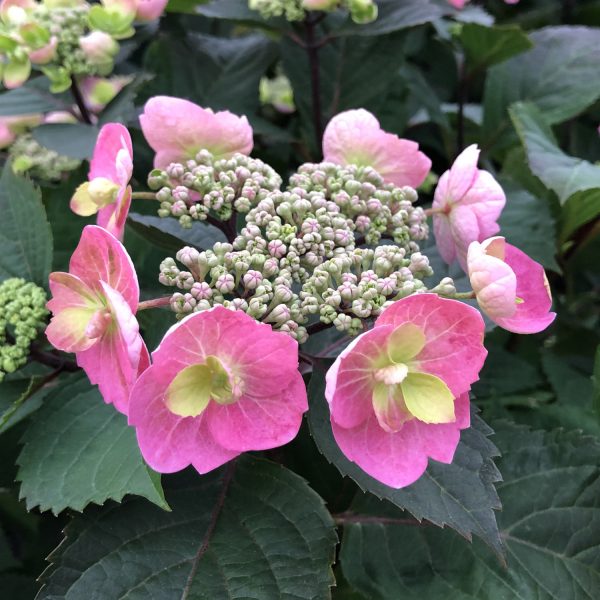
114,362
259,423
493,281
464,228
454,331
350,380
399,459
99,256
533,314
355,137
442,231
177,129
463,173
148,10
112,139
170,443
114,216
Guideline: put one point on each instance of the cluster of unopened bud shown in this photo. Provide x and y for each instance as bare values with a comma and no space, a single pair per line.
192,191
359,284
30,157
298,256
22,316
361,11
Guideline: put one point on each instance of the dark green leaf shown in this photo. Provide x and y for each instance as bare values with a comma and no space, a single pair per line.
80,450
30,99
121,108
235,10
551,76
550,523
25,235
398,14
170,235
249,530
485,46
76,140
460,495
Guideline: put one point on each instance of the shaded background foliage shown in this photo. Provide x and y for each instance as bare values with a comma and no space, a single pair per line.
524,83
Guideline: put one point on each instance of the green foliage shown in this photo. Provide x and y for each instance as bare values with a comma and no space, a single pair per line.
250,530
550,524
25,235
75,140
79,450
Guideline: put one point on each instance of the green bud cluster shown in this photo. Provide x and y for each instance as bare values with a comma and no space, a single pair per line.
22,316
40,163
205,186
361,11
298,255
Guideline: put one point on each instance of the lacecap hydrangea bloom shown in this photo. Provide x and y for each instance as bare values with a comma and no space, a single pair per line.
94,306
220,384
511,288
354,137
108,192
399,393
466,206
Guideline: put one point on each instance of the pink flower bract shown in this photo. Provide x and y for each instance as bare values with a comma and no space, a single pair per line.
108,192
148,10
510,287
466,207
94,306
177,130
398,394
355,137
220,384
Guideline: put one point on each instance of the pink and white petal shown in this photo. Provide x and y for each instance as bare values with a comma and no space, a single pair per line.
100,256
400,162
350,381
442,230
70,291
533,314
464,227
259,423
170,443
347,133
114,216
454,333
463,173
67,329
487,200
148,10
113,138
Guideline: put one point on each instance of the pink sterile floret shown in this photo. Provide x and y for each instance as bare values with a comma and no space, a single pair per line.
148,10
355,137
108,192
177,130
398,394
467,204
93,307
511,288
220,384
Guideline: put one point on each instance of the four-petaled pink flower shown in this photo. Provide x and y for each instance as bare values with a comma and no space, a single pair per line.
510,287
177,130
466,206
220,384
355,137
398,394
93,307
108,192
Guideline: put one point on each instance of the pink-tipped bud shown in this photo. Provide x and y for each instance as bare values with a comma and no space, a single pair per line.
99,47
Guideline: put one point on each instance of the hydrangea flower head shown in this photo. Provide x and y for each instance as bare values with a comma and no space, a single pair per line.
355,137
220,384
178,129
398,394
108,192
511,288
466,207
93,307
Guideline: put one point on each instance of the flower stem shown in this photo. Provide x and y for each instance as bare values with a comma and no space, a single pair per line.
462,296
154,303
78,97
348,518
143,196
312,49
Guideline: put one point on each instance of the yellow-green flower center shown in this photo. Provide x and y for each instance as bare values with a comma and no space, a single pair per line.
195,386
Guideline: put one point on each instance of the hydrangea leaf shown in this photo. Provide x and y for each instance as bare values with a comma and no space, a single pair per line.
80,450
550,523
252,529
461,495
